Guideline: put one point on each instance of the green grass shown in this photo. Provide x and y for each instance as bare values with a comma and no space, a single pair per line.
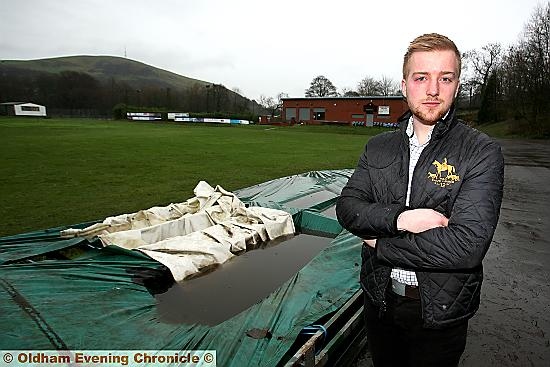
497,130
512,129
58,172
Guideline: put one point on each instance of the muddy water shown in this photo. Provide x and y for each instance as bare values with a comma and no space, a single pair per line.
239,283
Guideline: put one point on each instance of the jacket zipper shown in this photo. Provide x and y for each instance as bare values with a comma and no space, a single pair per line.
384,305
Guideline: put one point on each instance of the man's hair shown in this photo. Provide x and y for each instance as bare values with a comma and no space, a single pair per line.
430,42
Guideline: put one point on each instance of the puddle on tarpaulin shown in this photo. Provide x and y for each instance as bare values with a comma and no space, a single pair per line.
239,283
310,200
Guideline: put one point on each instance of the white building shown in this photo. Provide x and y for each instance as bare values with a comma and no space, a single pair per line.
23,109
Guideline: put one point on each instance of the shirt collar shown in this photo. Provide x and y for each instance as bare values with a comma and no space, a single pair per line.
410,128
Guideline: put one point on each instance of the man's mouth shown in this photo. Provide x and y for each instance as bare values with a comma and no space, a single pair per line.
431,103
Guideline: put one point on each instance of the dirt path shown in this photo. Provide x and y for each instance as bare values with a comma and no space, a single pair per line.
512,326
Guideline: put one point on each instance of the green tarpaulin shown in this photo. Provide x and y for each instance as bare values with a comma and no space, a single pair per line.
73,294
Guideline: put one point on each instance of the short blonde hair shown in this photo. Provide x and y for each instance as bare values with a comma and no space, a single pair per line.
430,42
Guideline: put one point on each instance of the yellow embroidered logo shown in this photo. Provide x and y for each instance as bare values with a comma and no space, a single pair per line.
445,174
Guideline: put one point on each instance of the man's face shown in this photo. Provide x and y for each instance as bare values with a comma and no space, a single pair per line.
431,84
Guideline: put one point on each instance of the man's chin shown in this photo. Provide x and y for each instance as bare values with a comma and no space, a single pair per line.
430,117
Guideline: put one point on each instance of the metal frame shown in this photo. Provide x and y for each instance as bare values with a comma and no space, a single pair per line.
345,338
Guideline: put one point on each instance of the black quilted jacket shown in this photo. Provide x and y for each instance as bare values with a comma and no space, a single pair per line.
459,174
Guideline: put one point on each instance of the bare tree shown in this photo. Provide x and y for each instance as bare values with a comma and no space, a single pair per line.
321,87
388,86
481,64
384,86
537,47
368,86
266,102
273,105
348,92
237,97
280,98
527,68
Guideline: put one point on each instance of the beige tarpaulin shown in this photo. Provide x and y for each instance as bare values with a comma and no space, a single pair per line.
186,237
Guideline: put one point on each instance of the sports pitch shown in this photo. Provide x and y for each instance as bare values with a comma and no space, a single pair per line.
58,172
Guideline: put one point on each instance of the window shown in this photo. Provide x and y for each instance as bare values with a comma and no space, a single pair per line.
304,114
319,116
383,110
318,113
290,113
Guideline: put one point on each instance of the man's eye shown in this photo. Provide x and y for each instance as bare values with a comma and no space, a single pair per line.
446,79
420,78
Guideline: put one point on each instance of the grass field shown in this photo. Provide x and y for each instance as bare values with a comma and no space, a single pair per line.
58,172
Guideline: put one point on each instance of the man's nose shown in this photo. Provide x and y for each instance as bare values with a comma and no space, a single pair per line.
433,87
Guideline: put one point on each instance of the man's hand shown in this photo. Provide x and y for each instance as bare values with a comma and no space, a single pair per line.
420,220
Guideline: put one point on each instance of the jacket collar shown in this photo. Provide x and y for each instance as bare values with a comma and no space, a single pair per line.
441,127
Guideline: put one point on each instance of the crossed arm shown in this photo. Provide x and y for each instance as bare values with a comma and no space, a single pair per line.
416,221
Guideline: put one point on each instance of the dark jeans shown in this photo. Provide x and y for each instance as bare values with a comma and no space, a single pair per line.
398,338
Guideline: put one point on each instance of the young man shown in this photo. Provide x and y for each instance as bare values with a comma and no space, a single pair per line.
425,199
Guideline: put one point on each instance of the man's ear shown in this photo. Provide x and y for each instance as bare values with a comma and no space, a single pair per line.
404,88
457,89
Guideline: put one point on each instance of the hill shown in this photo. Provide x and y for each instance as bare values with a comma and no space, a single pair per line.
104,68
98,83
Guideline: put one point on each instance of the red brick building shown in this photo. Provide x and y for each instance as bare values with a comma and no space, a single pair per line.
368,111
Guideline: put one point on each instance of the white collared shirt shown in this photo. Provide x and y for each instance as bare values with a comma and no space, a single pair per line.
415,149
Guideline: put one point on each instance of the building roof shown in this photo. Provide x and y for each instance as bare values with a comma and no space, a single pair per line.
362,97
11,103
19,103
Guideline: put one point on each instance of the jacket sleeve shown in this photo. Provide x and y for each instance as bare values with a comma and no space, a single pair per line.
472,223
357,210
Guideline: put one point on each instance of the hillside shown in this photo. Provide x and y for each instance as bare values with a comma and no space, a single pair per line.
98,83
104,68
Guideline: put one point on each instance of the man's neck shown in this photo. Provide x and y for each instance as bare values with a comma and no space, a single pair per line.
421,130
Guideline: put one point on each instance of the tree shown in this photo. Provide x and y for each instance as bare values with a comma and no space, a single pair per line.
280,98
268,103
388,86
537,50
527,70
348,92
368,86
481,64
77,90
236,94
321,87
488,109
273,105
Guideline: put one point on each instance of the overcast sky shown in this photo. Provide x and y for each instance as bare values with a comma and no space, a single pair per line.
259,46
